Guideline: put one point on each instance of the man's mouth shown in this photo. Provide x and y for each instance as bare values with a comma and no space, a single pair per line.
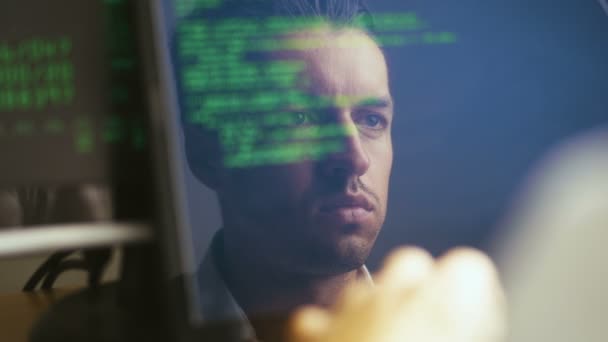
347,209
347,201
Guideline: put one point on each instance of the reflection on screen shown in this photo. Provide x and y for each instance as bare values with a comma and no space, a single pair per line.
252,102
67,89
481,89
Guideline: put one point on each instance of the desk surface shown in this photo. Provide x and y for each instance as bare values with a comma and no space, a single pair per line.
20,310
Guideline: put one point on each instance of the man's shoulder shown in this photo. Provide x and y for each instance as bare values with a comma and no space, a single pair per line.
216,309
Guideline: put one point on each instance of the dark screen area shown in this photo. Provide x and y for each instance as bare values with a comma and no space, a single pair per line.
68,91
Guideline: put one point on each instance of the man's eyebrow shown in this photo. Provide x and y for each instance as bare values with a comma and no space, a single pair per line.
379,102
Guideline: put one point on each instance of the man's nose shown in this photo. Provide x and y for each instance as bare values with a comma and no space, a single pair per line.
351,159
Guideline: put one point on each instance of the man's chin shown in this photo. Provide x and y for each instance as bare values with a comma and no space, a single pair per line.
325,250
332,268
342,257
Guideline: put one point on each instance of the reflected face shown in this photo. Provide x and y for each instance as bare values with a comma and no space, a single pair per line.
322,215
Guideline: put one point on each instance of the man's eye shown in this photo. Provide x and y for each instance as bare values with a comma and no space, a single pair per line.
301,118
373,121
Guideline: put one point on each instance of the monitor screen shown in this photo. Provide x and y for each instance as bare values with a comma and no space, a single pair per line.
68,90
309,138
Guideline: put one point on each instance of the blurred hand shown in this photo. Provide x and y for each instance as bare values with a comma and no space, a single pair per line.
456,298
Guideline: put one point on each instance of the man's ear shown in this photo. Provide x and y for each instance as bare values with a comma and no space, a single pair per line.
203,155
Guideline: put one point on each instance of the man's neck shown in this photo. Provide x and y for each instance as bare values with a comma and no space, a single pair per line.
263,290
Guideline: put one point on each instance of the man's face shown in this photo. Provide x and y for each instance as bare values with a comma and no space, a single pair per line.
322,215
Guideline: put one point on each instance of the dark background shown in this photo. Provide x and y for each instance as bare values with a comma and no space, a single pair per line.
474,117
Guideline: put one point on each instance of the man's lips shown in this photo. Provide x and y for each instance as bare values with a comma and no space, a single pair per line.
347,202
346,210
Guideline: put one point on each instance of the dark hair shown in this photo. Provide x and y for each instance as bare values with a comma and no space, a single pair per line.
333,11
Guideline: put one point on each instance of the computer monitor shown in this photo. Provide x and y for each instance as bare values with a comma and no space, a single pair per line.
69,91
71,108
478,92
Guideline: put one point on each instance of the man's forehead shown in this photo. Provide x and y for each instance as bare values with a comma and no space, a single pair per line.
344,66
